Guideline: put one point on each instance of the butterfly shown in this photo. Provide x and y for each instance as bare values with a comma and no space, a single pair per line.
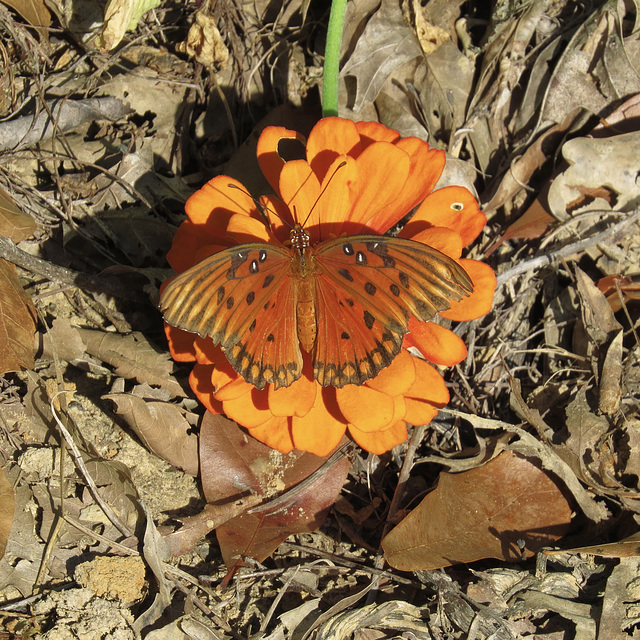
346,300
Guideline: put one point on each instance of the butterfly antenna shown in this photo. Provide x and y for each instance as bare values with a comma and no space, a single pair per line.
263,209
342,164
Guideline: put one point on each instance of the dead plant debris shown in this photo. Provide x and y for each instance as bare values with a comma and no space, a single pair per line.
515,514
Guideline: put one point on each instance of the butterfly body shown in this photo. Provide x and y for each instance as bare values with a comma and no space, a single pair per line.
346,300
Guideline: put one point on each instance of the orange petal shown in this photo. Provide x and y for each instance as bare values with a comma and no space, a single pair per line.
180,343
425,169
230,386
397,378
429,385
222,376
207,352
332,210
268,156
480,301
435,343
275,433
321,430
248,410
368,409
201,384
371,132
330,138
383,170
295,400
452,207
379,442
280,218
419,412
440,238
213,204
188,241
299,189
427,165
245,229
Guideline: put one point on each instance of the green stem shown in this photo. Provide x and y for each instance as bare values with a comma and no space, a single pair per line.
332,58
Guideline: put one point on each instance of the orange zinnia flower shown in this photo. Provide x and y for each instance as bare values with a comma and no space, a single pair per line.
358,178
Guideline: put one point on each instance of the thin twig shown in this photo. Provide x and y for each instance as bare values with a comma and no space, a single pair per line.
565,252
60,275
82,467
398,494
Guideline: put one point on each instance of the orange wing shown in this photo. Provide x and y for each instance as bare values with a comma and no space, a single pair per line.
243,299
366,288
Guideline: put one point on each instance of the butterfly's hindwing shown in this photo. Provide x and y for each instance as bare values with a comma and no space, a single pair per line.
269,352
351,345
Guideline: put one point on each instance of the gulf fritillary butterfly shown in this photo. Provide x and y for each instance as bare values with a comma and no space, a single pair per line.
347,300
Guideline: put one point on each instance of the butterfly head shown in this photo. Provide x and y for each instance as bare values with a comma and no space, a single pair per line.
299,238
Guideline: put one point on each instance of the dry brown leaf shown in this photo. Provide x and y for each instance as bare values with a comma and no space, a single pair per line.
523,168
24,550
238,473
258,535
506,509
533,223
14,224
597,316
121,16
17,322
162,427
133,357
627,548
619,290
7,506
233,464
594,163
595,460
386,43
204,42
596,68
34,12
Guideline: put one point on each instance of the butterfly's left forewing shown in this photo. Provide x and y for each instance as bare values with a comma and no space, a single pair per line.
367,287
241,298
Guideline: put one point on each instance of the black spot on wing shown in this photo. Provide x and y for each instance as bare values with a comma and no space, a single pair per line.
345,274
395,289
251,296
368,320
268,280
230,302
370,288
237,260
220,294
380,249
404,279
